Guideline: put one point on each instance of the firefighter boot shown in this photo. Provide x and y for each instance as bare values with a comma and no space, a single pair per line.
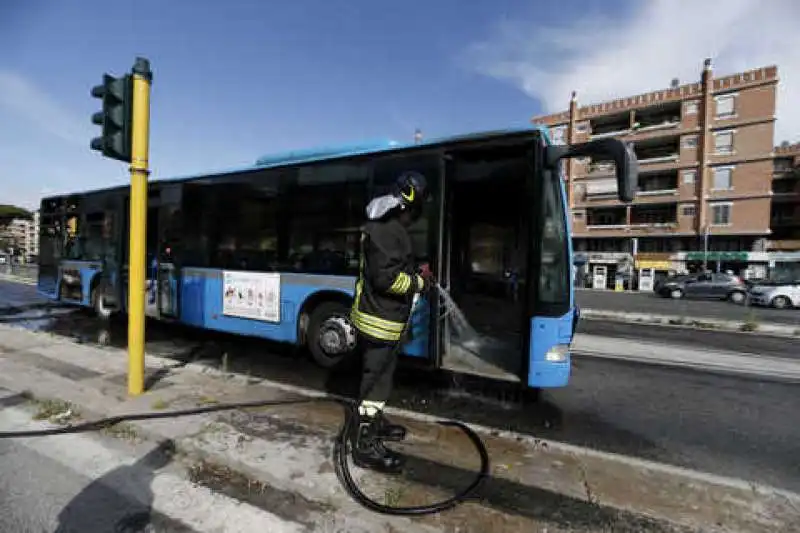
369,451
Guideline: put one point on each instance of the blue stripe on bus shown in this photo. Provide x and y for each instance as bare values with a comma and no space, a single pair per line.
201,306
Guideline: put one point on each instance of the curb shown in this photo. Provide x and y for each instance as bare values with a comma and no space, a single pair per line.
771,329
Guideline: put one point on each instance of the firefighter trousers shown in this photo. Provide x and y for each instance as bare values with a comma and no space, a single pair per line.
377,357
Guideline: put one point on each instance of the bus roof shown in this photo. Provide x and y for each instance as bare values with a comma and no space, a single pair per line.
334,152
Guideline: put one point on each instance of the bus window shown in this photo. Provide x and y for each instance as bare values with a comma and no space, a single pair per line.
232,224
198,214
324,204
95,245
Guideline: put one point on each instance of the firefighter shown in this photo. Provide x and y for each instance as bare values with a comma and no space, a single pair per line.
387,283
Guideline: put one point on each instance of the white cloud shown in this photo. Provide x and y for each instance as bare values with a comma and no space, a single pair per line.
603,57
23,98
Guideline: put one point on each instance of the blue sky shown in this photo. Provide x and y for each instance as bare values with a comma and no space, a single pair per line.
238,79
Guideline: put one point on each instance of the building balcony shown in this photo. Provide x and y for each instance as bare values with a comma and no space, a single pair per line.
655,184
656,216
607,217
784,222
615,125
630,230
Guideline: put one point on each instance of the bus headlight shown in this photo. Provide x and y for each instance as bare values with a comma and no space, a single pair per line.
557,354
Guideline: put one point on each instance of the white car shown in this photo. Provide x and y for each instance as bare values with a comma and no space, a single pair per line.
778,296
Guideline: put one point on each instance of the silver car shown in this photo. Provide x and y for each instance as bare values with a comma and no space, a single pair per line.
780,296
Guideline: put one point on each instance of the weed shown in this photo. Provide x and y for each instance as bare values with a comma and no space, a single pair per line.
751,324
207,400
392,496
159,404
55,410
121,431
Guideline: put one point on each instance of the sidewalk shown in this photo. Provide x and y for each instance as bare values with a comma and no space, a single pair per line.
285,452
779,368
760,328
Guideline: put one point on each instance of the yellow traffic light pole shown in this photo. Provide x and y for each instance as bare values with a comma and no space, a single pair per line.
140,146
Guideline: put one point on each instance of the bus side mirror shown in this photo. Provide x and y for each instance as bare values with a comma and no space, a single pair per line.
620,152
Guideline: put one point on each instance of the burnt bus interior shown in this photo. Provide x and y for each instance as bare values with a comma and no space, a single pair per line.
485,245
77,228
306,219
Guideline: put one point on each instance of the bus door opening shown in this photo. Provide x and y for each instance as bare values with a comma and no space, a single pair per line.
485,262
166,288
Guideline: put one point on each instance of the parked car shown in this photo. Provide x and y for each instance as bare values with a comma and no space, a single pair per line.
707,285
781,295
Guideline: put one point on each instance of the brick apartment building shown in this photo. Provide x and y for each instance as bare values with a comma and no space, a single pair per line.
785,218
706,155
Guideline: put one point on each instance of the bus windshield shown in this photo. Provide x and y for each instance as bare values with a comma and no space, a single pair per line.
554,270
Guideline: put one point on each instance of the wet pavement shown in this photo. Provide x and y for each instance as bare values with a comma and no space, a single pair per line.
739,427
645,302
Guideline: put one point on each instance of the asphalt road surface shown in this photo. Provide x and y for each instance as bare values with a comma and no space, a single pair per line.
732,426
646,302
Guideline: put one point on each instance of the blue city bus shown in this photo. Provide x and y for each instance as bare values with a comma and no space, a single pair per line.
271,250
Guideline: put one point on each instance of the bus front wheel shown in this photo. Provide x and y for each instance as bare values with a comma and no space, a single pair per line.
331,336
99,303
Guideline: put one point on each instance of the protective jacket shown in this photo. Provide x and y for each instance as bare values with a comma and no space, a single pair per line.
387,281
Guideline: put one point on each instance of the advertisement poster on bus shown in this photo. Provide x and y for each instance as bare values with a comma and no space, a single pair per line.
255,295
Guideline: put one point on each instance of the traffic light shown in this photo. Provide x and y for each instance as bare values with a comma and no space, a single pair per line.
115,118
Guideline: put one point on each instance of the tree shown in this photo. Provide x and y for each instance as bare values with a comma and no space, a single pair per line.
10,212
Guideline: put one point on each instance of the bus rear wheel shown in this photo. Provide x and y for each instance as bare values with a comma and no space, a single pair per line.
331,336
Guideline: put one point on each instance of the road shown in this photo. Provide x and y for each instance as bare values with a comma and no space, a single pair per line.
733,426
635,302
86,483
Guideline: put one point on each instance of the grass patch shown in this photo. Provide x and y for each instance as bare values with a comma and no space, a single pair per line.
392,496
159,404
123,431
207,400
749,325
54,410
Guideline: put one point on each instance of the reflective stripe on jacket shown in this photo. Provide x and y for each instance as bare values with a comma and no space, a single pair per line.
386,281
